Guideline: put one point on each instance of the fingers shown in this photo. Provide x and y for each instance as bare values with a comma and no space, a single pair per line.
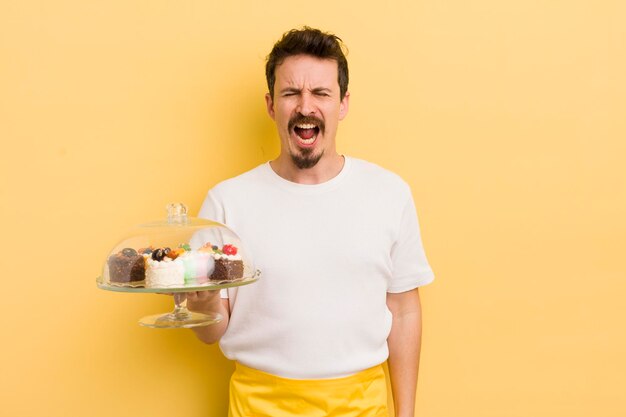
202,295
203,301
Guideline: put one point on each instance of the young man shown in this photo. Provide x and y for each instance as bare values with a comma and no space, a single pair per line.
338,242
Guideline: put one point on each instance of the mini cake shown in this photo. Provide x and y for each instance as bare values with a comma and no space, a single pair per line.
227,268
228,264
126,267
198,266
163,271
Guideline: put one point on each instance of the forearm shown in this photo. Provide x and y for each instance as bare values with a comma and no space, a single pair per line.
213,332
404,353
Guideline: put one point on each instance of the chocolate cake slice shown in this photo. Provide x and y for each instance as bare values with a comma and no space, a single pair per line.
227,269
126,266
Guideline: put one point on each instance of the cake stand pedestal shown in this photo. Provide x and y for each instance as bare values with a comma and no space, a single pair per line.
181,317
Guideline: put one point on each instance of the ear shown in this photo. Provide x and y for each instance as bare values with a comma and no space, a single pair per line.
343,106
269,103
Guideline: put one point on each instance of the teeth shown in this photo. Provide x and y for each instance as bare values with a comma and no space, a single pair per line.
308,141
306,126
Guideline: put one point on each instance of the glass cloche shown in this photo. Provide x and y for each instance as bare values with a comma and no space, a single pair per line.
178,255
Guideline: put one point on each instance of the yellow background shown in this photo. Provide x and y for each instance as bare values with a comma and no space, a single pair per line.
506,117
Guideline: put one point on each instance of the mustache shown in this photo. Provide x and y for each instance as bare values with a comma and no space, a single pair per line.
300,119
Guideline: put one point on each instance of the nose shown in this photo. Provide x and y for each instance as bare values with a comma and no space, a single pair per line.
306,105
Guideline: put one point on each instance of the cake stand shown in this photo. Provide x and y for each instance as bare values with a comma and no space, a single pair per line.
177,256
181,317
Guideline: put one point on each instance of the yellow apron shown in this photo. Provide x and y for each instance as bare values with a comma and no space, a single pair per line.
258,394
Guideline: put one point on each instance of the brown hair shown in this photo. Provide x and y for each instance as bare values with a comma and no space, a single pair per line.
308,41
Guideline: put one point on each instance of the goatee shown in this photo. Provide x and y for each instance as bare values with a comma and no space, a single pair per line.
305,159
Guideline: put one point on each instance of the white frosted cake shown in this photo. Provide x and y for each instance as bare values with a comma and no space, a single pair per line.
165,273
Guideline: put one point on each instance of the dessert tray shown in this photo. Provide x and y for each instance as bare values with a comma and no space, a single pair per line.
178,256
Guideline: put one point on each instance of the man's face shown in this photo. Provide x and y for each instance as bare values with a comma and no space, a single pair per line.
307,108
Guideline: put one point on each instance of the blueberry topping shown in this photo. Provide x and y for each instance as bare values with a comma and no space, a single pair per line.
158,254
129,252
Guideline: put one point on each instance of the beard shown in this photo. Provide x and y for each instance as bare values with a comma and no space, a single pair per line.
306,159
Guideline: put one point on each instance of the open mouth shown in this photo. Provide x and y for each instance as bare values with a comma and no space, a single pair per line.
306,133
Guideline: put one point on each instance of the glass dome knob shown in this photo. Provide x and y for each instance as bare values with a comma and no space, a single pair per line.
176,213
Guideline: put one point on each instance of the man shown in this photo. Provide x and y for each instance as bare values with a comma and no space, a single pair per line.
338,242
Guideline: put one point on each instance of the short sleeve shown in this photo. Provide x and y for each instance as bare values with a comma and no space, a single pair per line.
211,208
410,268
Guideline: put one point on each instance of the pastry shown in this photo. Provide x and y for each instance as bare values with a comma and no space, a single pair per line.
126,267
228,264
162,271
198,267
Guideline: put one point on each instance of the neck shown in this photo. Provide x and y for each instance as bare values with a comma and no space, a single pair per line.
328,167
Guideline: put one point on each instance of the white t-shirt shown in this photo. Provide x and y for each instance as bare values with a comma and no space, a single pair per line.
328,254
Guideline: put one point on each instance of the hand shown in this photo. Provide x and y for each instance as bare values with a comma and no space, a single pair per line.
204,301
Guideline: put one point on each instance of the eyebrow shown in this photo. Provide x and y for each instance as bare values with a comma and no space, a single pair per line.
298,90
290,90
322,90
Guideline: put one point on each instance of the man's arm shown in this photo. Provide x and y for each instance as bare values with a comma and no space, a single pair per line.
404,349
209,302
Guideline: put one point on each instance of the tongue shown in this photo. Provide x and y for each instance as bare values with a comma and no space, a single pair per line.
305,133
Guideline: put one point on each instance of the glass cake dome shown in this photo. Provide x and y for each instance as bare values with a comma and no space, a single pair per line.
177,255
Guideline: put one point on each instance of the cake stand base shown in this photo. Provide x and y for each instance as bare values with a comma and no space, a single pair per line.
180,320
